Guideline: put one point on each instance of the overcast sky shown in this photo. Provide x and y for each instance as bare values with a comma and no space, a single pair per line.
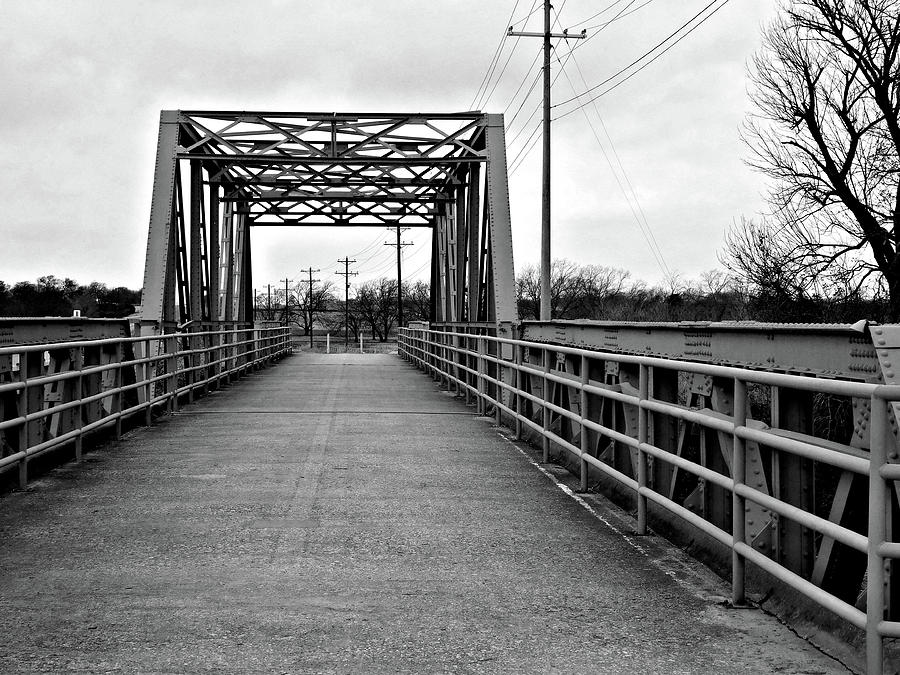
82,84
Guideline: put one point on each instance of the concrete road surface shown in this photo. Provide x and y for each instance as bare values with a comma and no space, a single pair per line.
340,514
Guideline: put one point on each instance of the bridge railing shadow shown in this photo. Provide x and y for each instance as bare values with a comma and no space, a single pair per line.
55,395
724,451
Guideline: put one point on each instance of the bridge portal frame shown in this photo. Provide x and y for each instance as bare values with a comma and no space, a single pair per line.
219,174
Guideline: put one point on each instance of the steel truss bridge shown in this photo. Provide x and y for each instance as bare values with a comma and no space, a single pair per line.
219,174
773,448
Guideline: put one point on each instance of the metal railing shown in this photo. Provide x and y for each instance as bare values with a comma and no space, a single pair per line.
57,394
516,378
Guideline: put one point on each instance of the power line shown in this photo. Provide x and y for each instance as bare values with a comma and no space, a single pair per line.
624,172
500,76
594,16
495,58
621,15
522,84
644,226
642,57
526,148
527,16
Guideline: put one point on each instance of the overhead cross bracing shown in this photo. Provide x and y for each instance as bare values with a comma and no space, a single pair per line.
220,173
347,169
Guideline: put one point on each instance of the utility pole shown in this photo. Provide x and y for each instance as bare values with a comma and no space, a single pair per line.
346,274
399,245
309,301
287,296
545,188
269,304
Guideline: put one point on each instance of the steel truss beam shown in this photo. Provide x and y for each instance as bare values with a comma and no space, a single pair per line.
219,174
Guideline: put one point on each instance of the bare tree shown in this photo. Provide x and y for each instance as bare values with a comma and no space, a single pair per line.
417,301
576,291
376,306
311,303
827,134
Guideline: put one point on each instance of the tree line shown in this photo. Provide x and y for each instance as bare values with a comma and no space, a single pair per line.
52,296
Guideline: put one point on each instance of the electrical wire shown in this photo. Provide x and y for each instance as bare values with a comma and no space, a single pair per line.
641,58
527,16
594,16
527,151
526,146
638,213
522,84
487,95
621,15
495,58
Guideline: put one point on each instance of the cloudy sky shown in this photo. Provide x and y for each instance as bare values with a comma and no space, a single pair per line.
82,83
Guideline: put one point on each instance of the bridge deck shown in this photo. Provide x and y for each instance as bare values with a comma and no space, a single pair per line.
340,514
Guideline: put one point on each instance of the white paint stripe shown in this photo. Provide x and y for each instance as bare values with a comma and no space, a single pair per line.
565,489
578,500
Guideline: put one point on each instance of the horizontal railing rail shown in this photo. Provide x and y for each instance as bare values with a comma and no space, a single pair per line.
577,410
57,394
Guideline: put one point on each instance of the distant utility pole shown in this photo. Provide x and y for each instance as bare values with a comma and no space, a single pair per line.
545,190
309,302
269,304
287,296
346,274
399,245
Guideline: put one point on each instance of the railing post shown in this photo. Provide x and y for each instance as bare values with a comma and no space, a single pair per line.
23,412
498,389
189,363
644,387
518,399
148,386
738,506
119,380
79,394
172,369
479,341
583,446
545,411
877,532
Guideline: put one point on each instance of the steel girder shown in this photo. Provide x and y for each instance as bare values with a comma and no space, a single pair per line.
219,174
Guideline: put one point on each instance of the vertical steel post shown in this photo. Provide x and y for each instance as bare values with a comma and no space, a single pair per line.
23,412
738,506
480,368
172,368
518,398
148,386
545,411
644,388
79,394
583,465
878,496
498,390
119,381
195,303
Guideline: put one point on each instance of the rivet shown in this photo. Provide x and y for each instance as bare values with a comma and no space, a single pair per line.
889,373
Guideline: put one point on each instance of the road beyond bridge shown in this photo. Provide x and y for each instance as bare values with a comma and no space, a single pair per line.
339,513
